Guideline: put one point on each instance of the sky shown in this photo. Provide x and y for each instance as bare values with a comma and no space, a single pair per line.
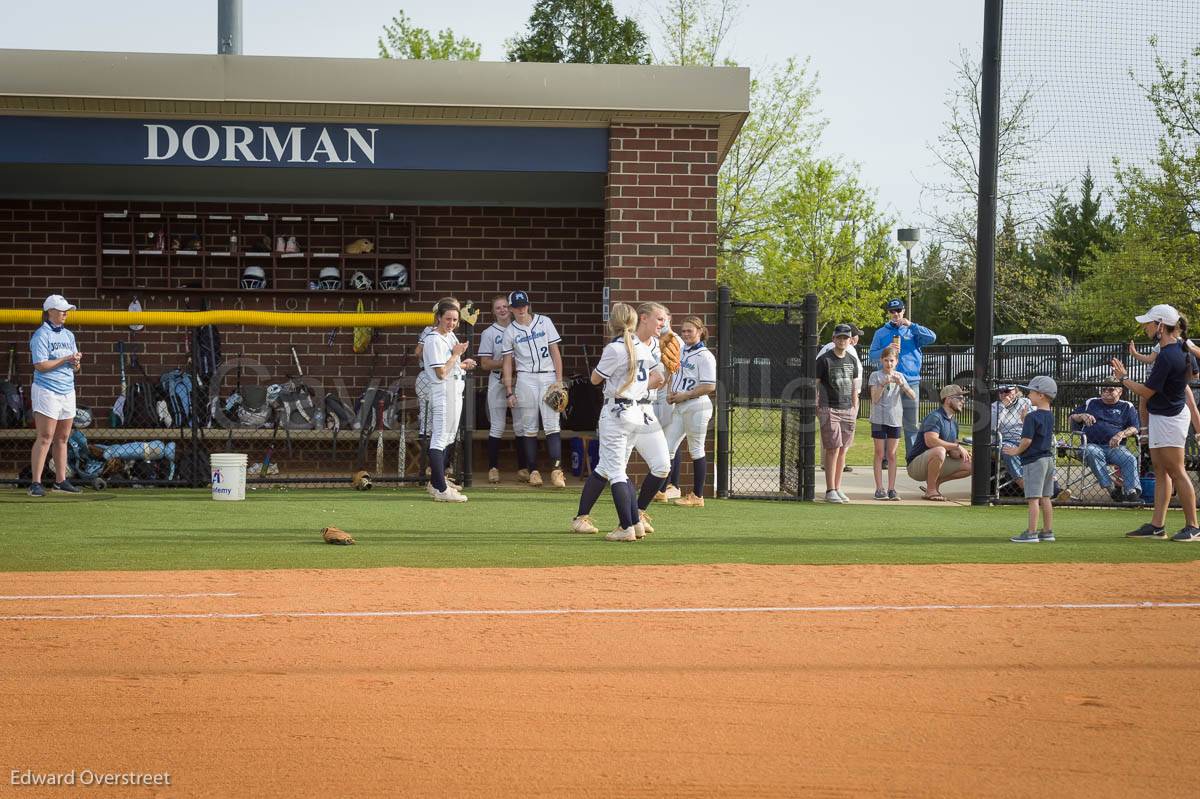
884,67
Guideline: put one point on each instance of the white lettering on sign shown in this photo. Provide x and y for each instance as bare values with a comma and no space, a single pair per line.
241,143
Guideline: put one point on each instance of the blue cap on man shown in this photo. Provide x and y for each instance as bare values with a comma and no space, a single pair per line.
518,298
895,305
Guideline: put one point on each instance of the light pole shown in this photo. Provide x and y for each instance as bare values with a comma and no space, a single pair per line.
908,238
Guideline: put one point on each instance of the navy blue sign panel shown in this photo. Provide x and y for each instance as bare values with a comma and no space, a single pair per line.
323,145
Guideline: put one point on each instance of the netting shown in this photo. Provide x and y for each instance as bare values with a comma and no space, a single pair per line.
1087,66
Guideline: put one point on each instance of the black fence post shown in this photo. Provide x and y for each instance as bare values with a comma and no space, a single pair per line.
725,374
808,400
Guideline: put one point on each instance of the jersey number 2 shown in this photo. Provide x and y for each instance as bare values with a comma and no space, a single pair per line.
545,352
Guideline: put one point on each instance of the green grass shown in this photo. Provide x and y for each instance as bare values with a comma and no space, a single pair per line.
180,529
755,437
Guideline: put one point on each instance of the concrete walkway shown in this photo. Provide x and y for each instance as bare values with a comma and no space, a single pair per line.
859,485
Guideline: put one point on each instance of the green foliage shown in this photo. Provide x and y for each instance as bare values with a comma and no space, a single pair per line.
1075,233
830,240
693,31
579,32
401,39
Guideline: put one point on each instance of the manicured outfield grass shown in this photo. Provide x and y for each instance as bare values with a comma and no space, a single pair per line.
180,529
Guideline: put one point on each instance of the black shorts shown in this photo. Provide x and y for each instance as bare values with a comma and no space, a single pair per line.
884,431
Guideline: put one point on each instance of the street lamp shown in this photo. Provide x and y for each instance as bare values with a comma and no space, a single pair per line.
908,238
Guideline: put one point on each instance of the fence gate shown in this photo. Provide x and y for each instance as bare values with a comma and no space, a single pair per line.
766,401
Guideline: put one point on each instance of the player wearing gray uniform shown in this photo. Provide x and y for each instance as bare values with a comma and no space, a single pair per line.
692,408
444,365
491,357
627,420
532,363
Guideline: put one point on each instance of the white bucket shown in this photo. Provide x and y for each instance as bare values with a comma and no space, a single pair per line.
228,476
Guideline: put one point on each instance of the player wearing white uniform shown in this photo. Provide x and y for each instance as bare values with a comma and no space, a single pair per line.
421,387
443,363
663,410
692,408
491,357
627,421
532,363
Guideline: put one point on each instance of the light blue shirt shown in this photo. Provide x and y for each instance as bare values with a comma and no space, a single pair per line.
48,344
912,338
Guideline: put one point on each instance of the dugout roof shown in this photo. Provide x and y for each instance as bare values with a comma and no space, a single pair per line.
171,126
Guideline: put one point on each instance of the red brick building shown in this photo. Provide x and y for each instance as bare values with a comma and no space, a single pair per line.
164,177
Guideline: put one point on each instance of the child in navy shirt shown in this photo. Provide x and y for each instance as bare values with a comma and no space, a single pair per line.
1037,460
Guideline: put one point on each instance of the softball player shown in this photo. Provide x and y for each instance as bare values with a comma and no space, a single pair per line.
629,367
491,346
421,388
533,363
692,408
663,411
444,365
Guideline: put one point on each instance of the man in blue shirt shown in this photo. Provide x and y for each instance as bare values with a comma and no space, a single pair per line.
1107,421
937,456
912,337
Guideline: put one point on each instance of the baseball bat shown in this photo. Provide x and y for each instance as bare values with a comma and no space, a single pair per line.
379,439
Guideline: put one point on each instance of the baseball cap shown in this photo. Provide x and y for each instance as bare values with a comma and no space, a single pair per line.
1005,387
518,298
895,305
843,330
1160,313
855,330
951,390
1043,385
57,302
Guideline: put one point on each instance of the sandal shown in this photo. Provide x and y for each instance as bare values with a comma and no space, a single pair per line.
935,497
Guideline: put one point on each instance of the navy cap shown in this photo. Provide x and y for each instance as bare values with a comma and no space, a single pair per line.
843,330
895,305
518,298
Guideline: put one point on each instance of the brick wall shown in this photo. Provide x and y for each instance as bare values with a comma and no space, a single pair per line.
660,230
472,253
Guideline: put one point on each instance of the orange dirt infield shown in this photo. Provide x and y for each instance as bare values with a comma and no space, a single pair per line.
953,702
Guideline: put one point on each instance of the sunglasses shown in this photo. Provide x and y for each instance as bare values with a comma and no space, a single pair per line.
1109,389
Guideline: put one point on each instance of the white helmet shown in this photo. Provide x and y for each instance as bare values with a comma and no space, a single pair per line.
329,279
253,277
361,282
395,276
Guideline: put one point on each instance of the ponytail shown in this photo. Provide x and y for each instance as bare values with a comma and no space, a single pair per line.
622,320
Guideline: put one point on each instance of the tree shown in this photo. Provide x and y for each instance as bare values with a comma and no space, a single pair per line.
401,39
831,240
579,32
1157,253
693,31
1074,234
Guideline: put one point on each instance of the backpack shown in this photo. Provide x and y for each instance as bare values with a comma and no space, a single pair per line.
12,408
366,408
249,408
80,458
338,414
177,391
296,409
584,405
139,405
206,344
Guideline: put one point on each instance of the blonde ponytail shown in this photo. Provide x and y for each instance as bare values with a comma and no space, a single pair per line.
622,320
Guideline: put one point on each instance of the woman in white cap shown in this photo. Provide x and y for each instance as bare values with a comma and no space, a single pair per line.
56,359
1167,394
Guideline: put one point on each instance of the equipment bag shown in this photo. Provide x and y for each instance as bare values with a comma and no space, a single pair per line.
366,408
12,411
206,345
337,414
139,404
296,409
253,409
176,388
80,458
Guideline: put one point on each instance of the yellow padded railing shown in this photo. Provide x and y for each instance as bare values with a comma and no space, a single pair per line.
82,318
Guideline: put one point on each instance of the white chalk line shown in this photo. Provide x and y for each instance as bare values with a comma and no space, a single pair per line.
401,614
32,597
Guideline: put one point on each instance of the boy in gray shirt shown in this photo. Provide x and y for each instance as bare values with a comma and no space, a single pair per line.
888,387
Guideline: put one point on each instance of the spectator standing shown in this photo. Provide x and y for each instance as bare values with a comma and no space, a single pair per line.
1008,420
839,378
855,334
1037,452
1106,421
910,338
887,388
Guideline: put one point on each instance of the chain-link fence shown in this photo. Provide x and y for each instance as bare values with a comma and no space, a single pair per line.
766,424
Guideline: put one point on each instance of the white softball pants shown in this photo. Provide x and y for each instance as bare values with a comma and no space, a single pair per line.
690,419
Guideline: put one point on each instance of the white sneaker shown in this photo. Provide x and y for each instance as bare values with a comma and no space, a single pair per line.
833,496
639,531
280,246
558,479
842,494
644,522
535,479
583,525
672,492
619,534
449,495
292,245
523,475
493,475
